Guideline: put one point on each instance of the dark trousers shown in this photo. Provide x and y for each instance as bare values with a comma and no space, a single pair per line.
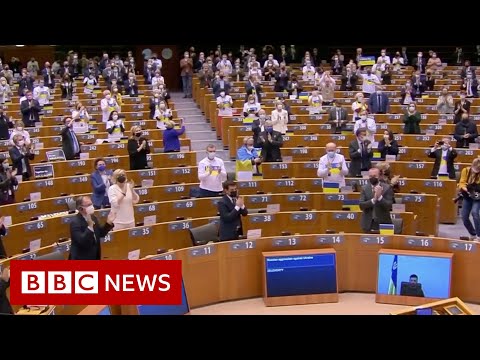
208,193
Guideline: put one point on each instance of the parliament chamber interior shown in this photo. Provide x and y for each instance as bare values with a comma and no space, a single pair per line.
170,147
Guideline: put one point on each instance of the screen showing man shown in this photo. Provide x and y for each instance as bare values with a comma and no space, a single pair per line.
412,287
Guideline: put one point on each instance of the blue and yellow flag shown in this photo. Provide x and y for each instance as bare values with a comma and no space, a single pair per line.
392,287
331,187
387,229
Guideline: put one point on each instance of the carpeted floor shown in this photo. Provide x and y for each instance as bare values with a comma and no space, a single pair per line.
349,304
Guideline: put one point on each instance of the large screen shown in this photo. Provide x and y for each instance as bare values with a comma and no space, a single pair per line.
413,275
181,309
301,275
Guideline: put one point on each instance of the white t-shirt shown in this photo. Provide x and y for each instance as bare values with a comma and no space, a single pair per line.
213,181
333,170
124,210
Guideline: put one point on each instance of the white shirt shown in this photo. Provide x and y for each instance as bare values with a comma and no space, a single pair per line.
333,170
156,81
369,83
124,210
225,105
247,106
107,107
24,133
212,182
386,59
308,73
369,124
280,120
117,132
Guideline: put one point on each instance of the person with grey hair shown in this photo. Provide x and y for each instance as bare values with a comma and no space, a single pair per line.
445,103
86,231
270,141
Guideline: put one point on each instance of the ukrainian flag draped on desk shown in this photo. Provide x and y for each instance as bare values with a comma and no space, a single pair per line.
392,287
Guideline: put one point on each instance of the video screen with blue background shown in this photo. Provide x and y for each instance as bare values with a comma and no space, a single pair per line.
433,274
181,309
301,275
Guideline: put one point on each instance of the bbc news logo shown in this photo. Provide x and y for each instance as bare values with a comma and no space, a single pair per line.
113,282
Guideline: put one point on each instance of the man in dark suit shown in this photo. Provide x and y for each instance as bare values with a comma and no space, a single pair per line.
221,85
378,103
271,141
5,307
461,107
70,144
30,109
418,63
376,199
337,116
21,155
86,231
465,131
444,155
231,208
253,87
361,153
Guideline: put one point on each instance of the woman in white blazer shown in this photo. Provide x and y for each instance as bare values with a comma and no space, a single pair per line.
279,118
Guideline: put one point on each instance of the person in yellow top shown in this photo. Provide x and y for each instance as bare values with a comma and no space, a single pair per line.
469,186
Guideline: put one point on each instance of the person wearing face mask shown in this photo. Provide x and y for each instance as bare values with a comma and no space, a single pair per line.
465,132
370,82
41,93
279,118
20,154
30,109
66,85
122,197
444,155
101,180
336,65
461,107
467,69
315,101
376,199
470,86
231,208
5,124
294,88
138,149
70,144
224,104
397,62
407,94
211,173
5,91
388,145
434,62
253,88
162,114
332,166
469,187
81,113
108,104
258,127
186,66
367,123
429,82
412,119
337,117
379,103
360,151
131,86
251,107
115,127
445,103
282,77
8,183
89,84
418,83
86,231
270,141
171,141
418,63
20,130
247,153
359,105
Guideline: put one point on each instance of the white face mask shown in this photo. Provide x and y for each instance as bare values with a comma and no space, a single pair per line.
211,155
222,94
21,143
363,117
386,137
250,148
115,117
445,147
90,210
19,128
411,108
331,154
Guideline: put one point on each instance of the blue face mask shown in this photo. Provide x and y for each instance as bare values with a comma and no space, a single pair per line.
269,129
331,154
102,167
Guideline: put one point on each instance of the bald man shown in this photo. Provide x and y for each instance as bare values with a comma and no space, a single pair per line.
332,166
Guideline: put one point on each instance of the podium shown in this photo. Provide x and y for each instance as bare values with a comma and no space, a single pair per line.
452,306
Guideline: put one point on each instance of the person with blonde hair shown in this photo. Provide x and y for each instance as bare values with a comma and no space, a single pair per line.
19,129
248,152
279,118
171,141
137,149
122,197
469,187
108,104
5,91
387,177
359,105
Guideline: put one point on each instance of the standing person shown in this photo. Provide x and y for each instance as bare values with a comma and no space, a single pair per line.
6,123
412,119
86,231
8,183
171,141
186,66
388,145
3,232
138,149
70,144
376,199
465,132
361,153
101,181
5,307
211,173
469,186
270,141
444,156
30,109
231,209
122,197
21,156
332,166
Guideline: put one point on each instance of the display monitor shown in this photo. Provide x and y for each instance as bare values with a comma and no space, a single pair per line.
181,309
